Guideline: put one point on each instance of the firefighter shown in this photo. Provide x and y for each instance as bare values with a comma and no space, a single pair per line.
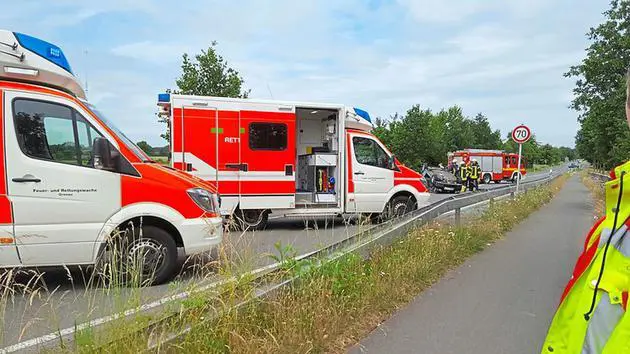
463,175
593,315
474,172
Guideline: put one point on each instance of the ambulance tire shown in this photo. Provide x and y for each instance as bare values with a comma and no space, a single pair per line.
250,220
399,206
487,179
136,243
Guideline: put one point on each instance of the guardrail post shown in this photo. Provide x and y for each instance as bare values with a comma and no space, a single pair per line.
512,195
458,216
491,203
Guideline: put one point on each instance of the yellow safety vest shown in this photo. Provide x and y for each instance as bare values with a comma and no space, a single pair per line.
607,329
474,172
463,173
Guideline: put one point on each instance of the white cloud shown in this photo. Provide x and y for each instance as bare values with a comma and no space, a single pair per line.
452,11
153,52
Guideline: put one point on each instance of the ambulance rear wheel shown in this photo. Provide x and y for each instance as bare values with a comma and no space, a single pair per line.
252,219
487,179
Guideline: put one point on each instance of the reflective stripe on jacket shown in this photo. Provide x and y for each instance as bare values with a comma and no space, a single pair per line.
474,171
463,173
607,328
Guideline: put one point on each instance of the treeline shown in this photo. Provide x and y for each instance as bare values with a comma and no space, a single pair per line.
153,151
600,91
422,136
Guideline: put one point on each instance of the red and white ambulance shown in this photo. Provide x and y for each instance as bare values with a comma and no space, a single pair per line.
496,165
292,159
69,179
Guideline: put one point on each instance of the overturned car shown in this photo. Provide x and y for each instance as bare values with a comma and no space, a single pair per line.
439,180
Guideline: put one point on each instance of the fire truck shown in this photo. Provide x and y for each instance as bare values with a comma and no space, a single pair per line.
70,181
496,165
292,159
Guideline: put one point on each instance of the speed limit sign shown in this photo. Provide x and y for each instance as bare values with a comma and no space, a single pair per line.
521,134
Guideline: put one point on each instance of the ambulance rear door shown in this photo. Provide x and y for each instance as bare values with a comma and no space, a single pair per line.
267,156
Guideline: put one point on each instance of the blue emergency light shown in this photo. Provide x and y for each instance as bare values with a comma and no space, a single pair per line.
164,98
46,50
363,114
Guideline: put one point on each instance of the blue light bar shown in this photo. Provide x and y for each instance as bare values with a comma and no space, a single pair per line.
46,50
164,98
363,114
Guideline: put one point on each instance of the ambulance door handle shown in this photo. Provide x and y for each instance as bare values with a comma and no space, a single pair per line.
26,178
359,173
237,166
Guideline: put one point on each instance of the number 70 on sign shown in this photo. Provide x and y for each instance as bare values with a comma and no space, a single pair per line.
521,134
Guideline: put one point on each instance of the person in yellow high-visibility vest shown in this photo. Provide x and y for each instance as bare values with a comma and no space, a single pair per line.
463,175
474,172
593,315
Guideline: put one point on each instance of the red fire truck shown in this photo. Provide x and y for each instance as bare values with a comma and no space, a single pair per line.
496,165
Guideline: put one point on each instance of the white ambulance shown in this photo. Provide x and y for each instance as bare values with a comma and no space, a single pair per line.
292,159
69,180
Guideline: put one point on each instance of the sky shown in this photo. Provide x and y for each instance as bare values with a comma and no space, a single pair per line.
504,58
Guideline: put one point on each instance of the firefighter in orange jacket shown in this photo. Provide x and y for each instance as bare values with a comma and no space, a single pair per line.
593,314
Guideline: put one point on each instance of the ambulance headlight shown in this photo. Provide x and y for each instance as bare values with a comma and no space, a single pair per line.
207,201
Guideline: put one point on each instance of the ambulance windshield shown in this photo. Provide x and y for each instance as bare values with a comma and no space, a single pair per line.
133,147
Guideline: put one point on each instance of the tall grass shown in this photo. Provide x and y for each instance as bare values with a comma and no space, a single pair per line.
36,302
596,186
333,306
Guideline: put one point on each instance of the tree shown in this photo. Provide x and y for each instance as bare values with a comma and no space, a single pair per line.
207,74
484,136
145,147
421,136
603,138
531,149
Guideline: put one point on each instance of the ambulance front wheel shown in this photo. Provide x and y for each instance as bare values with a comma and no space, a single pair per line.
487,179
252,219
139,255
399,206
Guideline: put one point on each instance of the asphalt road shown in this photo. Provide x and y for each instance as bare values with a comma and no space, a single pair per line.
64,298
502,300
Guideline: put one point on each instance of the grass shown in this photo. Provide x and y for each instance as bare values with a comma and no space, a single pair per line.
160,159
333,306
596,186
37,302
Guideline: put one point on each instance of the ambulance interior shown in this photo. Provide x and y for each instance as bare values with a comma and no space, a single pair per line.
317,175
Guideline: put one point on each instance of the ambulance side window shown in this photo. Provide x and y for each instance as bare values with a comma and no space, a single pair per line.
368,152
51,131
86,134
268,136
514,162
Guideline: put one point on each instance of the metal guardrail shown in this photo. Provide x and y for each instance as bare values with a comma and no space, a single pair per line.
362,243
599,175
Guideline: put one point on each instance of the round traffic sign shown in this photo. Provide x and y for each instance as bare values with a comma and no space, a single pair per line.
521,134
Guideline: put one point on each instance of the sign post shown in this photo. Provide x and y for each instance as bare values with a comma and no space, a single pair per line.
520,135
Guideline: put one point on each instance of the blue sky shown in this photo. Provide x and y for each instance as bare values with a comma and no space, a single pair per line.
504,58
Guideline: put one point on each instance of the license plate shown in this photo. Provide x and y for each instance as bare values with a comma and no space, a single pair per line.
448,188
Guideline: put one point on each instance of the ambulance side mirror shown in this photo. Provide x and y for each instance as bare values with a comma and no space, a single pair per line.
392,163
102,155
